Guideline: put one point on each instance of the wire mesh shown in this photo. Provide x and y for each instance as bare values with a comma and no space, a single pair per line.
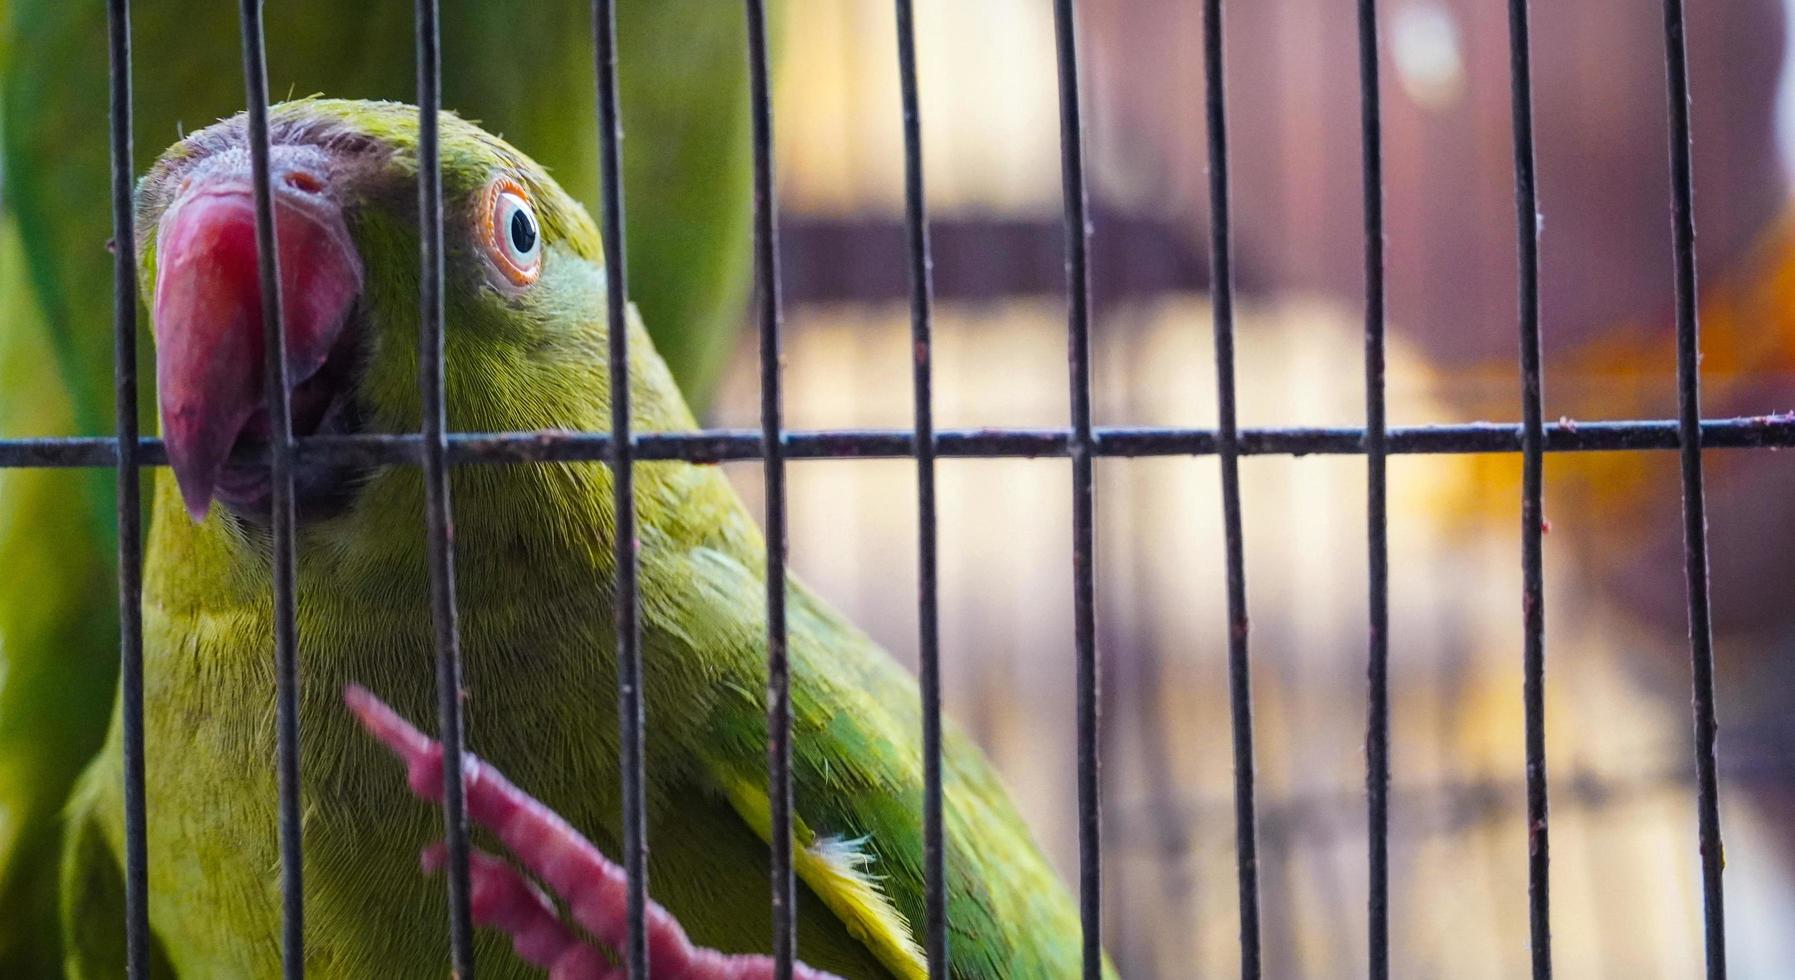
1377,524
631,717
928,616
438,518
772,437
280,439
436,450
1079,447
130,512
1695,517
727,445
1240,692
1533,601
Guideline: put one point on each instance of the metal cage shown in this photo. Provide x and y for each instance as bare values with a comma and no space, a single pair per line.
435,450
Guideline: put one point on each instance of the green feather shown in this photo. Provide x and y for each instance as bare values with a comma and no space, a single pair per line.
534,563
525,69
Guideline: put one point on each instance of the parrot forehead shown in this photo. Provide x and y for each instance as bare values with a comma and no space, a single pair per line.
363,149
232,161
343,160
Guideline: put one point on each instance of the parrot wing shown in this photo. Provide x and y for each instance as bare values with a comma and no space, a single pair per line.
857,780
93,889
92,896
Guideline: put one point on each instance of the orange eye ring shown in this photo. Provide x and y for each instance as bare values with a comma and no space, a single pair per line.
510,233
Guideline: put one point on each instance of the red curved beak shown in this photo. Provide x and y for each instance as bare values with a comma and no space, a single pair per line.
210,371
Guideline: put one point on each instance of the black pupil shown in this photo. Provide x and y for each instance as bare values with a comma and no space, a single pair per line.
523,231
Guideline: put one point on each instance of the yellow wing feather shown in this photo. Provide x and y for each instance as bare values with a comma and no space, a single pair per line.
833,870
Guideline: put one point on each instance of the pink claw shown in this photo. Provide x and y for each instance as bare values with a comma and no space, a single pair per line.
595,889
502,899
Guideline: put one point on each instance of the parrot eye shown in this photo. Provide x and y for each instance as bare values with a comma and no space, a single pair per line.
510,234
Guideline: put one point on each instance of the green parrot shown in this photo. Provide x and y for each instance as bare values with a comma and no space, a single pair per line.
525,69
525,349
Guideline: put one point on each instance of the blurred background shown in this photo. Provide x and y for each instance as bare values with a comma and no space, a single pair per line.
1626,898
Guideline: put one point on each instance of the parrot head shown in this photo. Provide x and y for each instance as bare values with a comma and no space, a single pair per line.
522,286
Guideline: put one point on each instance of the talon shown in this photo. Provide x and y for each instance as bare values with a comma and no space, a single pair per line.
595,889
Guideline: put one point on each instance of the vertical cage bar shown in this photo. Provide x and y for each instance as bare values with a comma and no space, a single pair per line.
923,385
631,717
779,703
1240,691
928,618
1533,613
1081,446
1377,537
1695,518
438,516
280,437
130,511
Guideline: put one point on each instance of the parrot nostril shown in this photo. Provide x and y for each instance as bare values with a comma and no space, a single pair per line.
303,180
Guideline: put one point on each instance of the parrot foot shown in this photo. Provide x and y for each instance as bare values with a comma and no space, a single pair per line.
594,888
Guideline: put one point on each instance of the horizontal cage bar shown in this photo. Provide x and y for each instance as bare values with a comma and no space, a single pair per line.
742,445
